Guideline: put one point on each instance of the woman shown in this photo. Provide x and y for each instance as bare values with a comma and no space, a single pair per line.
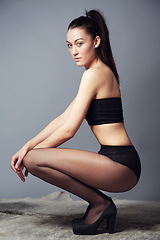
116,167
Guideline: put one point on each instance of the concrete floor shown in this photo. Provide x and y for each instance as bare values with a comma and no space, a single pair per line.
50,218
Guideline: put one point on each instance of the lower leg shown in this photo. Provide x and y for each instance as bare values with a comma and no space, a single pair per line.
67,183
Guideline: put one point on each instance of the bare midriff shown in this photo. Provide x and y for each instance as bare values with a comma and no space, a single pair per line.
111,134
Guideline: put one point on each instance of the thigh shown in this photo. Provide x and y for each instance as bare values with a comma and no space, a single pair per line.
91,168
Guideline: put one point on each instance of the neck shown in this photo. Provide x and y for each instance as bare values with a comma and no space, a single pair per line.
92,64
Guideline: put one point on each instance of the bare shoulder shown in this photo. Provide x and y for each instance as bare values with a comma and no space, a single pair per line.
102,80
99,76
89,82
90,79
93,75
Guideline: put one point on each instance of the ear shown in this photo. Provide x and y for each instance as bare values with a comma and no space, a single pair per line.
97,41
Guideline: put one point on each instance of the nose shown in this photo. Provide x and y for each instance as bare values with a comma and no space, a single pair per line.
74,51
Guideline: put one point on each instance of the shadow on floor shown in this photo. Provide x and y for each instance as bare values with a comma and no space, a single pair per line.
127,219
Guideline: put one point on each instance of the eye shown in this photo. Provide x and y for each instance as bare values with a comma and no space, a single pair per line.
79,44
69,45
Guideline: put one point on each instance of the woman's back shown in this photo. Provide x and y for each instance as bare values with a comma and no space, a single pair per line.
105,115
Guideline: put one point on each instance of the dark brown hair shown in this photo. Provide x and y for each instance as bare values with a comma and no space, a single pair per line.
94,24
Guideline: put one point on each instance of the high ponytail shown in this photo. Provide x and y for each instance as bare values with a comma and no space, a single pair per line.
94,24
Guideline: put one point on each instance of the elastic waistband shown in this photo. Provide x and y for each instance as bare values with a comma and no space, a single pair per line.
113,148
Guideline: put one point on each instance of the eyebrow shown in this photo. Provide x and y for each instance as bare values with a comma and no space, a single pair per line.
77,39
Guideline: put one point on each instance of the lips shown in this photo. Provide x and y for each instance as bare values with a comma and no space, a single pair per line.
77,59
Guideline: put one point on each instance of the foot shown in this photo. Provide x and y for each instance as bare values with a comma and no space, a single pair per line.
96,210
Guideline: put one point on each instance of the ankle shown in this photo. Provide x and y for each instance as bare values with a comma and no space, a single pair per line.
105,200
101,202
100,206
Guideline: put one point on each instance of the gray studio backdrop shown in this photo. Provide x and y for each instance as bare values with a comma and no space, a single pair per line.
38,79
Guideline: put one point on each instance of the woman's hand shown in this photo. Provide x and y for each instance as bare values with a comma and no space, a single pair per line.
17,162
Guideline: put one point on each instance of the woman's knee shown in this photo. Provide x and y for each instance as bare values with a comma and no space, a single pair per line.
29,161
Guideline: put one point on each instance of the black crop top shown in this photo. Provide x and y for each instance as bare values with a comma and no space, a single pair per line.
105,110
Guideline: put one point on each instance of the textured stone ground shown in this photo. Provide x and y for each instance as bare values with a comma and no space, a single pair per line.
50,217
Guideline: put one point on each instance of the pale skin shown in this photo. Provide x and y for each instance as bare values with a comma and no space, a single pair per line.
79,172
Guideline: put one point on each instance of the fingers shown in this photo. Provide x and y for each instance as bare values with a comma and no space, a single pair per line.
17,166
13,163
26,173
21,175
18,163
20,172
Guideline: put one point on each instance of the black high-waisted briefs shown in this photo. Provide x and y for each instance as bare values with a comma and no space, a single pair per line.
125,155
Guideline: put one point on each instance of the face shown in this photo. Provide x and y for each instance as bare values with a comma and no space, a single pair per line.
81,47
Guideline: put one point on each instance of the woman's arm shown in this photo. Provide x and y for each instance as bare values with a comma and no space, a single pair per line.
87,90
50,128
17,158
66,128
